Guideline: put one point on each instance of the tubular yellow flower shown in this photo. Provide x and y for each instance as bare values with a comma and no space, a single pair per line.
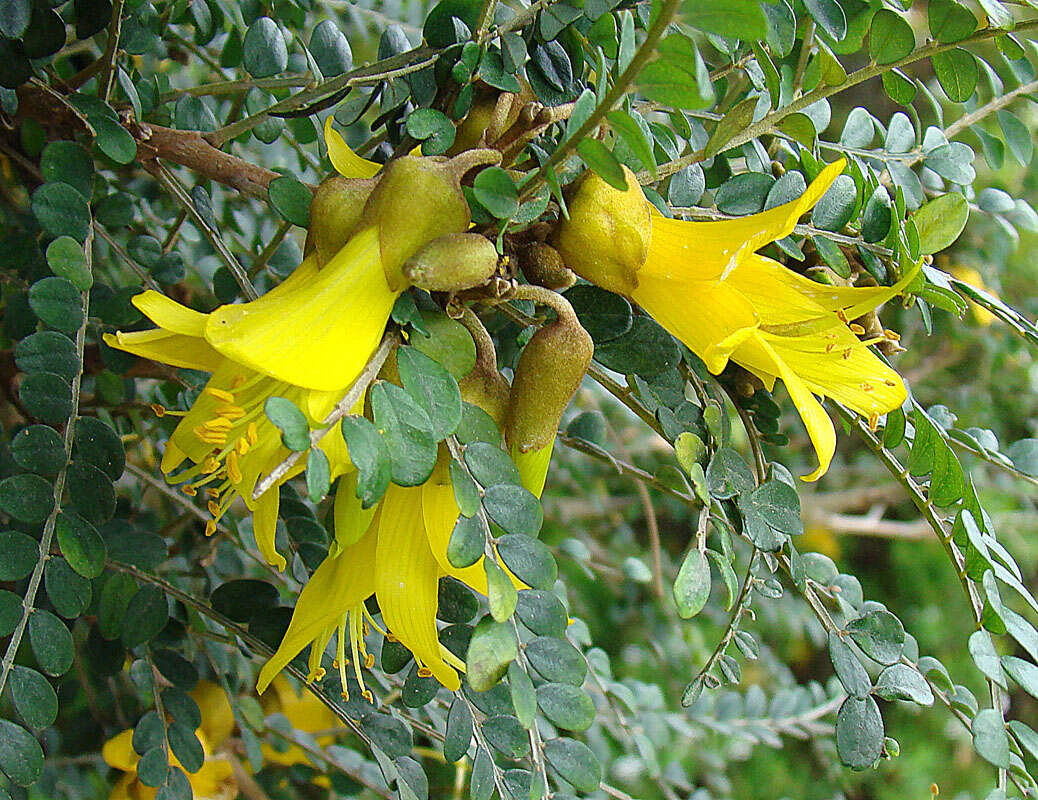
399,559
704,283
215,778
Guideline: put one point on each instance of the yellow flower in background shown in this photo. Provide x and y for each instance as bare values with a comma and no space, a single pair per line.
704,283
396,551
214,780
306,340
981,315
305,712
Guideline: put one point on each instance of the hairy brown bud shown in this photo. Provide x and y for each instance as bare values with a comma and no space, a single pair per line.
543,266
452,262
547,376
334,212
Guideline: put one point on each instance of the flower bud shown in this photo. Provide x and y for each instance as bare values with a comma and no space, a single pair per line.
549,371
542,265
334,212
417,200
606,238
486,388
452,262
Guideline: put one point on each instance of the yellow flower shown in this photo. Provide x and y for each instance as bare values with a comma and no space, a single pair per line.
399,557
345,161
981,315
704,283
306,340
305,712
215,778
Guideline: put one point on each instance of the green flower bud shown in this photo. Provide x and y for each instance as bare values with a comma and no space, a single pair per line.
452,262
334,212
606,238
549,371
417,200
542,265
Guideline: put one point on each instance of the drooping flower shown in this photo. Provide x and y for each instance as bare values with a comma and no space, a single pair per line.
214,780
306,340
704,282
399,558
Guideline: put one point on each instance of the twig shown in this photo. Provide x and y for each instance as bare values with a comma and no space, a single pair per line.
112,50
342,408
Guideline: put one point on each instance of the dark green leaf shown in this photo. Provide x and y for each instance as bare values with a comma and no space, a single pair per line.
859,733
433,388
513,508
265,52
34,697
51,642
370,455
575,763
146,614
26,497
21,757
491,649
57,303
407,432
295,430
879,634
496,192
81,544
291,199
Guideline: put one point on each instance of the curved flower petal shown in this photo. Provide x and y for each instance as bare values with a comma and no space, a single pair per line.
175,349
264,527
351,519
533,467
345,161
710,250
118,752
169,314
319,335
440,514
406,581
711,318
337,585
216,711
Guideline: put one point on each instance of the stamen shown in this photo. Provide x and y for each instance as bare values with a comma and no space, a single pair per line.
356,644
214,507
369,661
237,381
189,490
161,411
841,315
873,421
231,412
242,446
233,469
210,527
220,394
217,424
424,672
211,492
210,465
452,659
340,658
252,433
856,329
894,336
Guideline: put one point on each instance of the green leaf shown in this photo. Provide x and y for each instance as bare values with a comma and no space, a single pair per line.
829,16
491,649
66,260
1017,136
542,612
734,122
556,660
891,38
513,508
602,162
97,444
61,210
736,19
985,656
295,430
940,222
524,697
779,506
575,763
879,634
692,585
146,615
567,707
68,592
728,474
153,767
407,432
57,302
291,199
990,739
68,162
957,72
490,464
902,682
448,343
836,207
318,475
501,592
949,21
458,734
331,49
496,192
240,599
81,544
21,552
265,51
27,498
859,733
529,560
14,18
604,315
1023,672
21,757
370,455
631,132
432,387
47,351
51,642
848,668
433,128
467,543
34,697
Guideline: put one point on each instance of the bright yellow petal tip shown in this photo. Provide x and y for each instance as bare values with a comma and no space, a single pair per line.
346,162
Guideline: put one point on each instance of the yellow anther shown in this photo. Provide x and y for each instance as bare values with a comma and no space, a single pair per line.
390,637
424,672
230,411
210,465
344,695
367,695
210,527
237,381
894,336
856,329
158,410
220,394
841,315
233,470
189,490
214,507
369,661
873,421
211,492
217,424
242,447
252,433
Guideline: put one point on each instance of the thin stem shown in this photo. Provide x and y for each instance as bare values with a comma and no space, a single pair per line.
268,252
112,50
342,408
59,487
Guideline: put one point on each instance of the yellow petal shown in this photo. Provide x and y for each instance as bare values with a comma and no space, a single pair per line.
264,527
710,250
533,467
214,780
175,349
319,335
345,161
169,314
118,752
337,585
217,714
440,514
127,788
819,427
711,318
406,580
